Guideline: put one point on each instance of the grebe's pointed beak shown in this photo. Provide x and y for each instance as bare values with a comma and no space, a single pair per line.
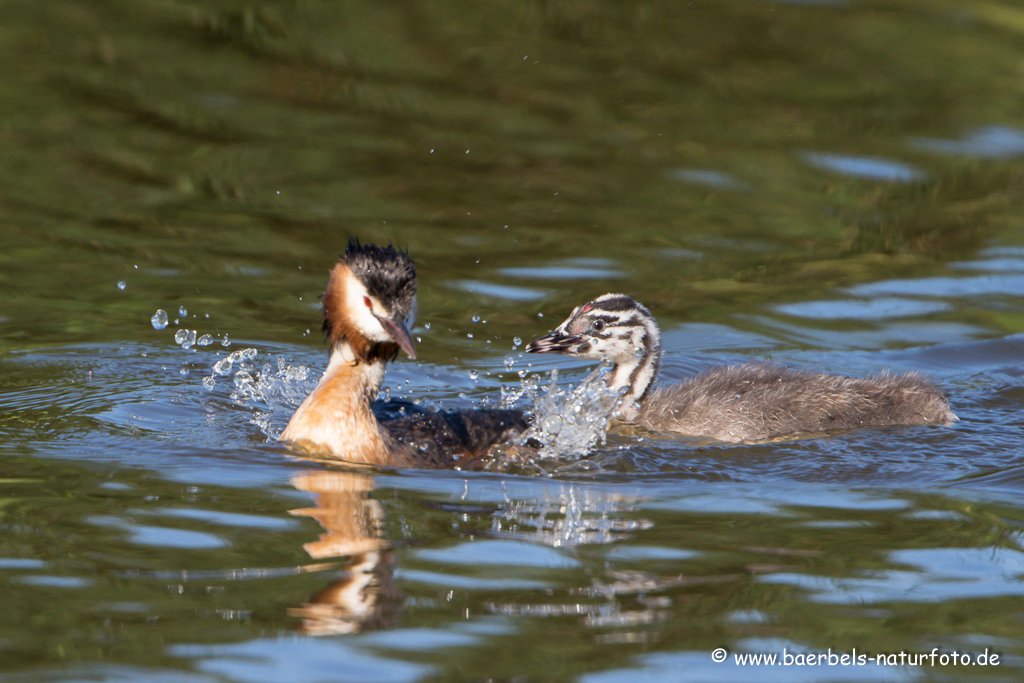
552,342
400,333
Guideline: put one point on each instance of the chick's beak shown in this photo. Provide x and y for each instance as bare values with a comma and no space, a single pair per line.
399,332
552,342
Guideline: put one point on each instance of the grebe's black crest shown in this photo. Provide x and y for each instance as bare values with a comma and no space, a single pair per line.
386,272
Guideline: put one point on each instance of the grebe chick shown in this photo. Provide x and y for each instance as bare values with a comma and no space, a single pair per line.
749,402
369,305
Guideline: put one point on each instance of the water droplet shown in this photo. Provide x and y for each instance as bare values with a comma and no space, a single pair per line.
205,340
540,315
470,335
187,338
509,362
516,343
209,383
182,311
183,371
121,284
419,340
476,318
223,366
474,375
426,326
224,342
159,319
206,315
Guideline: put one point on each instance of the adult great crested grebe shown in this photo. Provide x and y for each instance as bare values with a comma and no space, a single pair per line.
369,305
749,402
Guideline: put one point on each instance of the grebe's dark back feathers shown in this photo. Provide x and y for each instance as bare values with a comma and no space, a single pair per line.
457,438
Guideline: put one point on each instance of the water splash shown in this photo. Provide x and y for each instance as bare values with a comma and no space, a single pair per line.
567,421
271,392
224,365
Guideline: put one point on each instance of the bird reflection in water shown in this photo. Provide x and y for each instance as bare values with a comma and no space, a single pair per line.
364,597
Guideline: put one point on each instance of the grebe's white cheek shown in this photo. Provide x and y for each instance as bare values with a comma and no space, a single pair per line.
362,316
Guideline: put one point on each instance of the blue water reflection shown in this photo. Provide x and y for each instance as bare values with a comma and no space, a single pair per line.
869,168
990,142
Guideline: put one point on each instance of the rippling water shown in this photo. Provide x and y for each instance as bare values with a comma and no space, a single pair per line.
820,184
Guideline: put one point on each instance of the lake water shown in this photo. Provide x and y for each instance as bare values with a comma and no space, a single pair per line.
824,184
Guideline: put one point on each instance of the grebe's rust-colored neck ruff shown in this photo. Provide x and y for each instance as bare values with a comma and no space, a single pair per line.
750,402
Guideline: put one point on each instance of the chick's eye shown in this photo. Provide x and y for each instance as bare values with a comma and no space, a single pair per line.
597,326
367,302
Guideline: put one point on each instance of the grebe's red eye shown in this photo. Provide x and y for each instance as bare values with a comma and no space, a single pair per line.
587,307
366,301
